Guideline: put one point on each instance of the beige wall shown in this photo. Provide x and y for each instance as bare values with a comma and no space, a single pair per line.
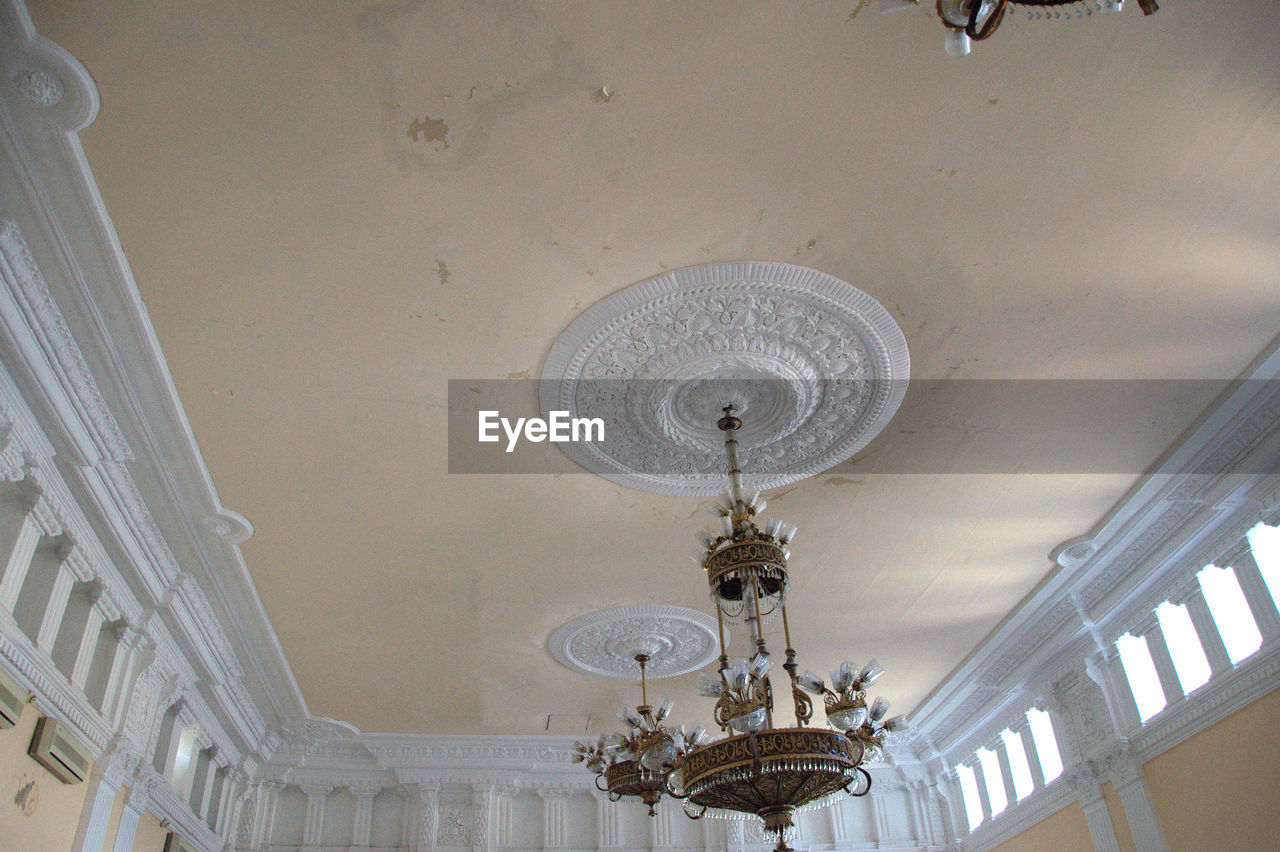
150,836
48,822
1220,790
1065,831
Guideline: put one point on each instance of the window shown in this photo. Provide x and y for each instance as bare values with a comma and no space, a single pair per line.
1230,612
1144,683
1264,541
1046,744
1184,646
184,762
995,780
1023,785
969,792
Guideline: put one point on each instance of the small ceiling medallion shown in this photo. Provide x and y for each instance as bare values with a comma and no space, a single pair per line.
815,366
675,641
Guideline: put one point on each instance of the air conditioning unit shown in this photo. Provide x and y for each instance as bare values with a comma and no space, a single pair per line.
174,843
59,752
12,697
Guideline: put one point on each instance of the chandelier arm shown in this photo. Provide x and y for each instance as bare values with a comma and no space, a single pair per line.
859,791
699,815
600,778
992,22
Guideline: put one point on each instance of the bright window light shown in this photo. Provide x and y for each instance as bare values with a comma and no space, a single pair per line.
969,791
995,781
1184,646
1230,612
1144,683
184,761
1023,785
1264,541
1046,743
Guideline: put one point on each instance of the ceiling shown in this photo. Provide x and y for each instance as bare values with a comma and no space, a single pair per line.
333,208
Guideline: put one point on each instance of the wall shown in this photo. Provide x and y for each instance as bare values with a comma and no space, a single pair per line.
1065,831
53,808
1221,788
150,837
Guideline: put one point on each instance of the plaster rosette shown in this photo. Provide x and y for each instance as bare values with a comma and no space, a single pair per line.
677,640
814,366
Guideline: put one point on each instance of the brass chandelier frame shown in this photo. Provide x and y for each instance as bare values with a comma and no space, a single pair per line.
758,768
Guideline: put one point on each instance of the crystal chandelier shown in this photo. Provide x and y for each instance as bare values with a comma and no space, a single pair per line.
637,763
975,20
760,768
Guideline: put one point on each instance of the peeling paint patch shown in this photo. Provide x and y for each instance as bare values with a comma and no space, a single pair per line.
948,172
429,130
442,272
856,10
809,246
27,797
602,95
840,480
523,374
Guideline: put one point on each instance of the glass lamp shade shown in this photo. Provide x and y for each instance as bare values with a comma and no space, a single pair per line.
675,782
746,723
658,755
847,718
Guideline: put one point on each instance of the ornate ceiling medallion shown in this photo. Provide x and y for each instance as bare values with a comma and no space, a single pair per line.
674,640
818,365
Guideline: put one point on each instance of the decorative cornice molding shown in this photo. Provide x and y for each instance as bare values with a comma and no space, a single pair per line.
52,354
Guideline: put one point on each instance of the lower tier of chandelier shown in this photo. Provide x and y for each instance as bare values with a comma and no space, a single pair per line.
771,774
629,778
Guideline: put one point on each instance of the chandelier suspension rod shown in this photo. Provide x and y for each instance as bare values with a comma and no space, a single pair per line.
730,425
644,689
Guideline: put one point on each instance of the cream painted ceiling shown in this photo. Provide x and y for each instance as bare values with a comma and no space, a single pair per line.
332,209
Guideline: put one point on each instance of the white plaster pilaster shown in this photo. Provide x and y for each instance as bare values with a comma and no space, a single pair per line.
880,814
984,797
19,535
56,606
362,821
88,643
103,786
661,832
264,816
553,817
1023,730
1258,595
313,826
1151,630
503,817
1099,819
1192,596
135,805
608,833
1144,822
836,816
1006,770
